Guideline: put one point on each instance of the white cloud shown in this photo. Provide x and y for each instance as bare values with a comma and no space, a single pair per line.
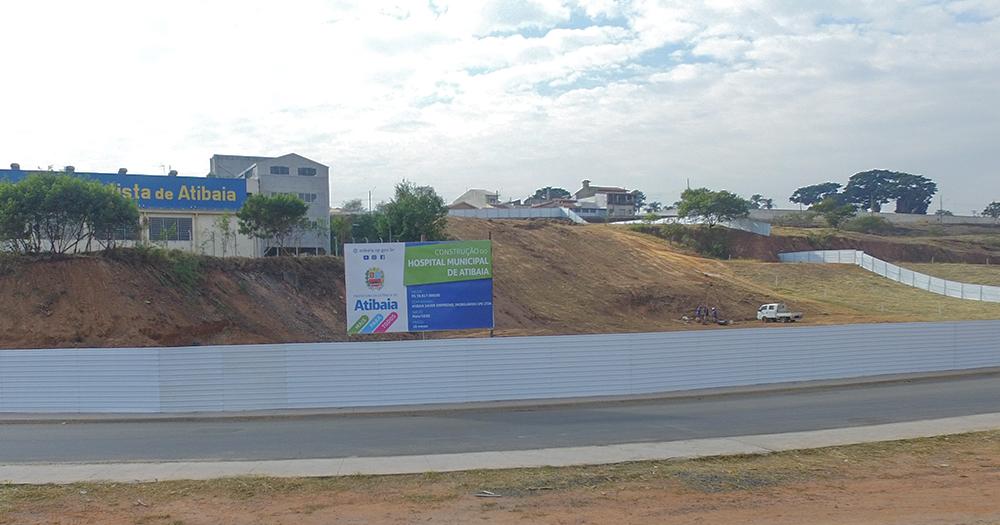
758,96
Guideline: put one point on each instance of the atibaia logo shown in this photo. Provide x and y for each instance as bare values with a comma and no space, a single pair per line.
375,278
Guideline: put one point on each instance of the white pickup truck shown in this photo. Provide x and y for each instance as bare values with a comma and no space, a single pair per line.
774,312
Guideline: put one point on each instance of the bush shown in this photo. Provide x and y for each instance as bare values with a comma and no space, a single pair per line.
798,219
180,267
868,224
710,242
820,240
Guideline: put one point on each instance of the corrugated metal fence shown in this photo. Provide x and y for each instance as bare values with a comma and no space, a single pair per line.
974,292
366,374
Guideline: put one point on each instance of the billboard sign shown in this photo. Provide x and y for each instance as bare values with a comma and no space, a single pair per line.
418,286
152,192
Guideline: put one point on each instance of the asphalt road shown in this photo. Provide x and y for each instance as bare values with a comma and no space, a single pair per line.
498,429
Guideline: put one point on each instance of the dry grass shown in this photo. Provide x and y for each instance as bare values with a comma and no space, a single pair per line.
846,293
707,475
964,273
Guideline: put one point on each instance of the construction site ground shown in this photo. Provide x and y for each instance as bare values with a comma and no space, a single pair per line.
951,480
550,278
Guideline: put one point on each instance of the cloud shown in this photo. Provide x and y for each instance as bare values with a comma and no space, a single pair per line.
753,96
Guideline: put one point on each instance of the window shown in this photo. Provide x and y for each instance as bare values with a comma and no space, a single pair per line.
308,198
126,232
307,172
169,229
279,170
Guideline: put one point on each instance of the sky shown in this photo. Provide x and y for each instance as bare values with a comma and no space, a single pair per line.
751,96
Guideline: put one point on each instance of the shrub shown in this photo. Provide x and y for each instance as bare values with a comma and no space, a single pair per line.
798,219
705,240
868,224
819,240
178,266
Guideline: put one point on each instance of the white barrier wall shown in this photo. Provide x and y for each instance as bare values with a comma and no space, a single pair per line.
520,213
366,374
974,292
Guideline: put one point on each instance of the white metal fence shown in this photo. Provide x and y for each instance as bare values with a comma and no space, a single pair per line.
520,213
360,374
974,292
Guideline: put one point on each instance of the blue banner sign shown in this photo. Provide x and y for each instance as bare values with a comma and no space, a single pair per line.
419,286
152,192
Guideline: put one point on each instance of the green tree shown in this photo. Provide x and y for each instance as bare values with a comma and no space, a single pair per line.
362,227
415,212
638,199
353,206
834,211
809,195
992,210
224,223
712,206
944,213
59,213
913,193
654,207
277,218
549,193
757,202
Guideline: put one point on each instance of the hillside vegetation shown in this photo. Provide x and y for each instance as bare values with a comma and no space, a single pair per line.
550,278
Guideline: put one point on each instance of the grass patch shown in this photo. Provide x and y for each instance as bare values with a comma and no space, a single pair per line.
858,294
963,273
179,267
707,475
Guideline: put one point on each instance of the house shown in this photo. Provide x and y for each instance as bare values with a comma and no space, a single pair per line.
477,200
605,202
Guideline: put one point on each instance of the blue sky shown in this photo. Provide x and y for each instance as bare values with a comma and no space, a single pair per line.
751,96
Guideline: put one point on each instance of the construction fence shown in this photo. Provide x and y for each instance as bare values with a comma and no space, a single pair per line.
973,292
520,213
394,373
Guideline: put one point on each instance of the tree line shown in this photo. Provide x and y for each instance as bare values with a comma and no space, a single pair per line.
869,190
55,213
414,213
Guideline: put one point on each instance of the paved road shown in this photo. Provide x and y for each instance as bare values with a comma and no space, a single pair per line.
495,429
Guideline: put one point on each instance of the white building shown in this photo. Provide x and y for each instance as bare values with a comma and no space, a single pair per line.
288,174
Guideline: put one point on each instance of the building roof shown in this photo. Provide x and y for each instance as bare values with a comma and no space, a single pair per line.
608,189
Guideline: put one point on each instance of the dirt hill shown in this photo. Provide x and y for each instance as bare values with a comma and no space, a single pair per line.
550,278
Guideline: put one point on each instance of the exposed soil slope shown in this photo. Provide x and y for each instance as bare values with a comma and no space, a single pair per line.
551,278
102,301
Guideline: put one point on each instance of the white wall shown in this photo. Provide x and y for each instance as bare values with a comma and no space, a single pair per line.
366,374
958,290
